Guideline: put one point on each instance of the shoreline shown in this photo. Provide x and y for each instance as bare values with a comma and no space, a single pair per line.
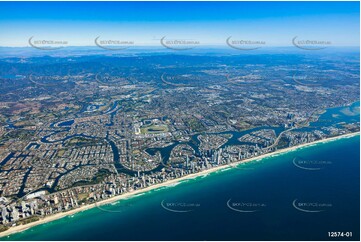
20,228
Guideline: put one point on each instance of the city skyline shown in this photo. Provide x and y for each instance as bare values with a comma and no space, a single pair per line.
129,121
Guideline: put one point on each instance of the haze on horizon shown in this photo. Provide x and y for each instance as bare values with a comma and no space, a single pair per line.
210,23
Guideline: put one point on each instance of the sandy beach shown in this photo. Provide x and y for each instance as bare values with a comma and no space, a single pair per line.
20,228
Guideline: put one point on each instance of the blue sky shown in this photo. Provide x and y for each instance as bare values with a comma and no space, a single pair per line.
210,23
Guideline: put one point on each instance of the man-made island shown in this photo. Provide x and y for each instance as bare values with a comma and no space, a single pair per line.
112,199
80,132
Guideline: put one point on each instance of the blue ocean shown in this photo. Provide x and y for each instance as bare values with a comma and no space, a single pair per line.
300,195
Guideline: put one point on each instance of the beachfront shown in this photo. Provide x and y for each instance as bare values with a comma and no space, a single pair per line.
167,183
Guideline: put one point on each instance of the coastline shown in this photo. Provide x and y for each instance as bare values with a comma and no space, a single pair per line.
21,228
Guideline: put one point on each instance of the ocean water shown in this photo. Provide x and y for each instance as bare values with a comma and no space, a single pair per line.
300,195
